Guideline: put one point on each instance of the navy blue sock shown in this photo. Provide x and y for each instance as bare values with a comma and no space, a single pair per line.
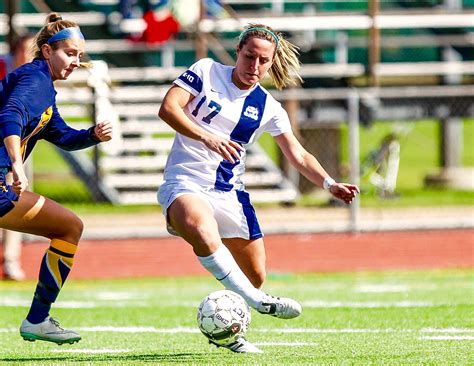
55,267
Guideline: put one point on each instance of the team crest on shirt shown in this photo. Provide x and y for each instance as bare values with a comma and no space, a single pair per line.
251,112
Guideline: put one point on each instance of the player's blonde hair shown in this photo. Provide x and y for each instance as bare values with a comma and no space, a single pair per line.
286,65
54,24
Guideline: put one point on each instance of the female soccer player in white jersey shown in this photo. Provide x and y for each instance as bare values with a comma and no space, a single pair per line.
217,112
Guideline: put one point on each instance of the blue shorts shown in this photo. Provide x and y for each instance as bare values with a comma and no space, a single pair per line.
7,196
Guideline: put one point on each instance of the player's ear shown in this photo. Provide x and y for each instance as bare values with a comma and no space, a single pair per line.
47,51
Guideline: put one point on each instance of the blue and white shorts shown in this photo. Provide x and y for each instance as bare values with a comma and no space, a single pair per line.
233,211
7,196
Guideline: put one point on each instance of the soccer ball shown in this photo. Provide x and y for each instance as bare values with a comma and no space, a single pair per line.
223,316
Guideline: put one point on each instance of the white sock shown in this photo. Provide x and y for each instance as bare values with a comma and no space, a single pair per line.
226,270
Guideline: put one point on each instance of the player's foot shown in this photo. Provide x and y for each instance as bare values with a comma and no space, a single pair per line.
241,345
49,330
280,307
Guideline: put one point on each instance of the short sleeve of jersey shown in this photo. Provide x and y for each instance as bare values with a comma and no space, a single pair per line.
280,123
191,79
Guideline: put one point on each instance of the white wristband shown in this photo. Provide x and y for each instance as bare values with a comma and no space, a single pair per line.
328,182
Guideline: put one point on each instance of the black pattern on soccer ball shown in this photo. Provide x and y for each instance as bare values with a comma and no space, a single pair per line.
223,316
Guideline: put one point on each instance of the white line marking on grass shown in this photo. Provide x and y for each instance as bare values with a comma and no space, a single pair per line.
380,288
110,295
63,304
89,351
447,330
369,304
139,329
256,330
103,302
325,331
447,338
320,304
8,330
14,303
286,344
177,330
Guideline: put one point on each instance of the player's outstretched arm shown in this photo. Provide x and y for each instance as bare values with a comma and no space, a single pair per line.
309,166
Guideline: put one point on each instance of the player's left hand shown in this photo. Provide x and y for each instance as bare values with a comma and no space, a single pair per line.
103,131
345,192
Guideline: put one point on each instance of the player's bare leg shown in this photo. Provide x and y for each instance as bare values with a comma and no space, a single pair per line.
38,215
35,214
193,219
250,256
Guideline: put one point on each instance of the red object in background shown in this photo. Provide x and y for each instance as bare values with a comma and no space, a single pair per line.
3,68
159,30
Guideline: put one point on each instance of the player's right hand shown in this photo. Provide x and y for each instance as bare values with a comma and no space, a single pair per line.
228,149
344,191
20,181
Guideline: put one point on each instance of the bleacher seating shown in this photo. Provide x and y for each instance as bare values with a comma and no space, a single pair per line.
334,46
131,165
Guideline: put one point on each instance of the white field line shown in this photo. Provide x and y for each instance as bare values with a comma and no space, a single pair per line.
319,304
102,303
8,330
271,330
447,338
447,330
370,304
61,304
286,344
381,288
89,351
139,329
117,295
177,330
257,330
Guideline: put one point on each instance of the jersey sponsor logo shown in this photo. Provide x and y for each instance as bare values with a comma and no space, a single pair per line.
251,112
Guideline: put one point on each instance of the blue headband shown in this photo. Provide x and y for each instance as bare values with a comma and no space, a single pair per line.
66,33
261,29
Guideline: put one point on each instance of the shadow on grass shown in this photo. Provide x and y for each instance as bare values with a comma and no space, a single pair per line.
145,357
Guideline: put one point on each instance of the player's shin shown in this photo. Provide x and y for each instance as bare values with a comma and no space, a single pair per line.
55,267
223,266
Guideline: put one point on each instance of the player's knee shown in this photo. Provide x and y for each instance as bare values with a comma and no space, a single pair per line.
78,228
207,237
74,230
202,231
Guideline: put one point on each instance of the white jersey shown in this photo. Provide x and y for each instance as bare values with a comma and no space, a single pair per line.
224,110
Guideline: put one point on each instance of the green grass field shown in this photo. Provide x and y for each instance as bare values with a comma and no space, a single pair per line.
388,318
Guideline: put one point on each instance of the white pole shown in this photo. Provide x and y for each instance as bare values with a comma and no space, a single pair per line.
354,155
